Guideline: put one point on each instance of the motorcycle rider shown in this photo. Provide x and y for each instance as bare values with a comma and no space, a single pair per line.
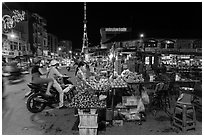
14,71
54,73
36,73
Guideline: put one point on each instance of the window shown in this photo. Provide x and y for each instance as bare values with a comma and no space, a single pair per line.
23,48
11,47
170,46
11,53
35,40
20,47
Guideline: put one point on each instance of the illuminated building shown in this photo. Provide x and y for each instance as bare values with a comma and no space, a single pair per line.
13,45
108,33
85,37
65,48
14,35
39,41
33,32
52,44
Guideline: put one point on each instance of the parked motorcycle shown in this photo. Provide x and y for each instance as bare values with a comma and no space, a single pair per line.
65,80
38,100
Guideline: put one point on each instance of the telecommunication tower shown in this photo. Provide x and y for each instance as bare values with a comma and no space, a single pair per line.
85,37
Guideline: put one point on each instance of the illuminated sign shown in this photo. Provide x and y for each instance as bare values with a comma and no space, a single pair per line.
116,29
184,57
9,22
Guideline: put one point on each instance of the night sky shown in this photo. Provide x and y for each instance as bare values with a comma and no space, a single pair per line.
160,20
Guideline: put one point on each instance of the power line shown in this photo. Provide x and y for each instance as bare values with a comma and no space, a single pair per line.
7,7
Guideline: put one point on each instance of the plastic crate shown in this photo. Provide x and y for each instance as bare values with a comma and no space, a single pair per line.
88,119
88,130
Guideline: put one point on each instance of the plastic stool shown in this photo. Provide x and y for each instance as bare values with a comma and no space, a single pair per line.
184,115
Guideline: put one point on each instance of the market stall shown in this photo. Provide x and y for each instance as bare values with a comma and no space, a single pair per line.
122,95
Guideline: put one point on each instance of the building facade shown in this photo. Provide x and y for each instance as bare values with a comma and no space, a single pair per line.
31,30
65,48
52,44
172,52
14,35
108,33
14,46
40,38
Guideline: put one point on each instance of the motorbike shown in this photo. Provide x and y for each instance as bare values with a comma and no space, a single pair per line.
15,77
64,79
38,100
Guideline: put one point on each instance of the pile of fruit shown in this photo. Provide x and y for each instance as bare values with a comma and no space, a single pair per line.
86,100
132,77
103,84
118,83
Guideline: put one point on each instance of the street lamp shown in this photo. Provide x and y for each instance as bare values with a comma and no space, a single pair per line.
13,36
142,44
141,35
59,50
70,53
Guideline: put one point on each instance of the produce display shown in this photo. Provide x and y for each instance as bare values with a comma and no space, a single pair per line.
132,77
118,83
87,100
103,84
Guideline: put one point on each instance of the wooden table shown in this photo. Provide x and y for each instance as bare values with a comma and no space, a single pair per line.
138,84
188,83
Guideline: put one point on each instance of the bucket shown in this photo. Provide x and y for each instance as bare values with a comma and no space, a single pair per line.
109,114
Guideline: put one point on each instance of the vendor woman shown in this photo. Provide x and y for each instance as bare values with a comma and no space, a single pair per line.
81,82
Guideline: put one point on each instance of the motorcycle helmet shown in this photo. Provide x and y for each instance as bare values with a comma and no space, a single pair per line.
54,62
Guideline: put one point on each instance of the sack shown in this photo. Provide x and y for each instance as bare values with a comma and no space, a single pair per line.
145,97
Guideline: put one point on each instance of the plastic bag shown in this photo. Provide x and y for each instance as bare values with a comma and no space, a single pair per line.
145,97
140,106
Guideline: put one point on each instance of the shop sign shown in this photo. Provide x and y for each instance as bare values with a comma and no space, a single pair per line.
151,49
116,29
166,57
199,50
184,57
186,50
9,22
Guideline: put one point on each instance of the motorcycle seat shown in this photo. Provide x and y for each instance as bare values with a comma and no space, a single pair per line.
36,86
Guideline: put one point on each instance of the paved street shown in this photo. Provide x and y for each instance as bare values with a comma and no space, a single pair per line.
59,122
21,121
